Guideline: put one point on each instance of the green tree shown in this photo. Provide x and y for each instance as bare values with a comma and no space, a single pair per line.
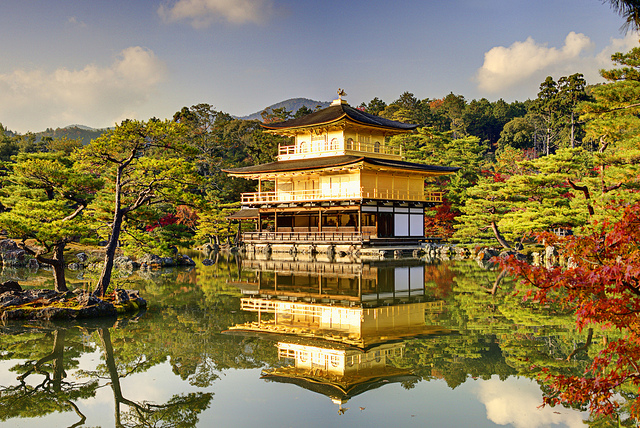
8,145
375,106
479,121
302,111
611,124
143,165
45,197
274,115
517,133
629,10
572,91
547,106
524,196
454,106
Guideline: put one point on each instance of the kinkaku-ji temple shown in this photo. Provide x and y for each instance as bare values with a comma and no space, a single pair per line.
340,184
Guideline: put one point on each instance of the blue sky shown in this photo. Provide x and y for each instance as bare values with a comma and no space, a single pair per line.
97,62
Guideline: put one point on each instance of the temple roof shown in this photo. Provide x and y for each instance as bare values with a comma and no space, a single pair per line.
338,112
344,390
333,161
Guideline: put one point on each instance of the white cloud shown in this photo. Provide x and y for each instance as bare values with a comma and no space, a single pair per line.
617,45
202,13
505,67
95,96
517,402
520,68
73,21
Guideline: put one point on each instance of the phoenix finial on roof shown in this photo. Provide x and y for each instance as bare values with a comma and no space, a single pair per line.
341,93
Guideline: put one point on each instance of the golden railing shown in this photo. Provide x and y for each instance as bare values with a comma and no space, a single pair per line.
328,147
336,194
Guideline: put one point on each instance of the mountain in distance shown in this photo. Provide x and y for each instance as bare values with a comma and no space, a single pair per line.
72,132
292,105
86,133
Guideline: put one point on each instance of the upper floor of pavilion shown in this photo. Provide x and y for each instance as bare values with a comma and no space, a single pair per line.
339,130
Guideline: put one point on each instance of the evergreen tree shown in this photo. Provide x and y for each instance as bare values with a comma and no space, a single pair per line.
144,166
44,198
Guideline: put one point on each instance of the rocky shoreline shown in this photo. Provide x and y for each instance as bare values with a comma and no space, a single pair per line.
50,305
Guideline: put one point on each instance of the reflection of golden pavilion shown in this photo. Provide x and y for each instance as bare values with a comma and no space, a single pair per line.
357,326
357,304
340,326
362,284
339,373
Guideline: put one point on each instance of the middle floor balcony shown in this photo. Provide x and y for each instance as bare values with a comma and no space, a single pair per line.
337,194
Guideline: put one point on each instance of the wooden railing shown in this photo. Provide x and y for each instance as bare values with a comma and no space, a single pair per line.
336,194
329,148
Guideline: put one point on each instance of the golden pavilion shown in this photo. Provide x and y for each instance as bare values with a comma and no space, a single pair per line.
339,182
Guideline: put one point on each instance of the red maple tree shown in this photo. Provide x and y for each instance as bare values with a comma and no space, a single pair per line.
601,282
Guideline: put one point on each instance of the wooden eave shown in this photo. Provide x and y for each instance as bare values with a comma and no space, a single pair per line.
336,164
405,171
321,171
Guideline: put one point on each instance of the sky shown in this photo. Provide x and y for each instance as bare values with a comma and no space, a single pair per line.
98,62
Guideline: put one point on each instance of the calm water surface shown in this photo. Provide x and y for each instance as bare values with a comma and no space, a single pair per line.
305,343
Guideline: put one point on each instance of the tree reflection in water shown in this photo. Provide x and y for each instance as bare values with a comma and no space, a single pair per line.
33,396
494,335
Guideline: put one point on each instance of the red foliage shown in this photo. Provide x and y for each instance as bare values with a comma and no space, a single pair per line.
497,177
441,224
186,216
164,221
602,285
436,104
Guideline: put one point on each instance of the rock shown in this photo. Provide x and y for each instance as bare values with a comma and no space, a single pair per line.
150,261
11,254
210,248
516,254
86,304
485,256
8,299
9,286
184,260
208,262
121,296
87,299
536,258
125,263
549,256
73,266
82,257
167,261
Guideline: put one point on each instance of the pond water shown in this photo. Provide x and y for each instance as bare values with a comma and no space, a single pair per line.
304,343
